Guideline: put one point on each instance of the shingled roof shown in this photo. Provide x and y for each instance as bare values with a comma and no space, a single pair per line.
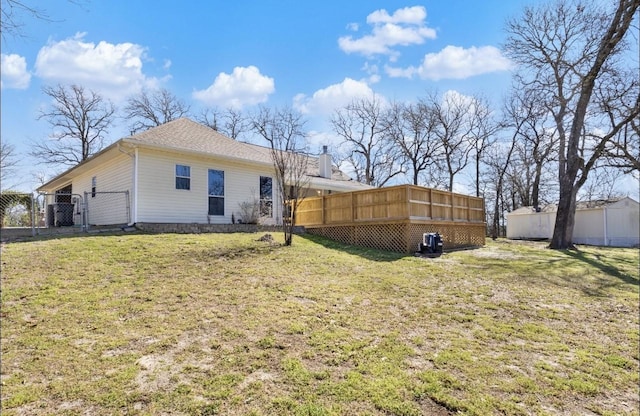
185,134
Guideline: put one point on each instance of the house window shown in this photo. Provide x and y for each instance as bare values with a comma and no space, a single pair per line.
183,177
216,192
266,196
93,187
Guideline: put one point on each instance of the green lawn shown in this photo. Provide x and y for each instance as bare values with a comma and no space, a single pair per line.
223,324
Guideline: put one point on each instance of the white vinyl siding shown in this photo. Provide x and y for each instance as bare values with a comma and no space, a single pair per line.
114,175
160,202
588,227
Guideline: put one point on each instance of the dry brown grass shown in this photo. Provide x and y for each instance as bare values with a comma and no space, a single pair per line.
225,324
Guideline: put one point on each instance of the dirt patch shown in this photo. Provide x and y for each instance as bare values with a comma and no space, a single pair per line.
258,375
267,238
494,253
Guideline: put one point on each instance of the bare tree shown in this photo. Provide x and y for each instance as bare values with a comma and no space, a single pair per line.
412,128
230,122
79,120
454,131
536,148
497,161
153,108
567,49
482,129
283,129
371,153
8,162
517,113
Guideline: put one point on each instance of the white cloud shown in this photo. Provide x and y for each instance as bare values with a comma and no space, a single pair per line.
455,62
335,96
115,70
372,71
244,86
13,72
405,27
410,15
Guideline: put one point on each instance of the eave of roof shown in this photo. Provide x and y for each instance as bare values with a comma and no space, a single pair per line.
66,176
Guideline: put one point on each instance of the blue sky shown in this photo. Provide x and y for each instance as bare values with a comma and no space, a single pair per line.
312,56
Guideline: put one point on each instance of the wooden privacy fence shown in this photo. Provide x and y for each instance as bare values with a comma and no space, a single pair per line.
395,218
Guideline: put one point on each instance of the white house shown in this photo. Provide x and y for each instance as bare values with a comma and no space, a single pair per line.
179,172
603,223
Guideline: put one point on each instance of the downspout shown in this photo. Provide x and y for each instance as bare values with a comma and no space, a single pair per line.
33,216
134,217
134,209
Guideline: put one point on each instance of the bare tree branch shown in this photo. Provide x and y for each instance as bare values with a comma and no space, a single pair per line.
371,151
12,12
79,120
283,130
153,108
8,162
230,122
412,127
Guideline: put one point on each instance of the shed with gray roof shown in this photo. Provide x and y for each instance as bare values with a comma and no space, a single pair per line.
603,223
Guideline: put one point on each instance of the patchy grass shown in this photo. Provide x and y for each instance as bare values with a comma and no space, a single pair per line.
223,324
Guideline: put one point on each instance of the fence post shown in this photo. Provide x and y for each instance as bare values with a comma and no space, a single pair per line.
452,199
86,211
431,203
128,205
353,207
33,216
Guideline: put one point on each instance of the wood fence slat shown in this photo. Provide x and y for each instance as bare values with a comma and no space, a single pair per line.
392,217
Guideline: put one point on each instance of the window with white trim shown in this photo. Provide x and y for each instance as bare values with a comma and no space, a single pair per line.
216,192
183,177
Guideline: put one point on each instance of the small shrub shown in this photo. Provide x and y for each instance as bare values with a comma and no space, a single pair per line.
249,211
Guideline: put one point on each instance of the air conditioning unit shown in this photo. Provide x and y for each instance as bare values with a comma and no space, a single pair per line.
431,244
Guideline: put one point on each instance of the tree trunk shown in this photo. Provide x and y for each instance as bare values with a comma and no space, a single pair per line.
477,175
495,228
535,189
565,217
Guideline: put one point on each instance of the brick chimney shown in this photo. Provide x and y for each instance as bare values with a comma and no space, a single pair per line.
324,163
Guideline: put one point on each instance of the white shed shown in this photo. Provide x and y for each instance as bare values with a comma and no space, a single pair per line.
603,223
